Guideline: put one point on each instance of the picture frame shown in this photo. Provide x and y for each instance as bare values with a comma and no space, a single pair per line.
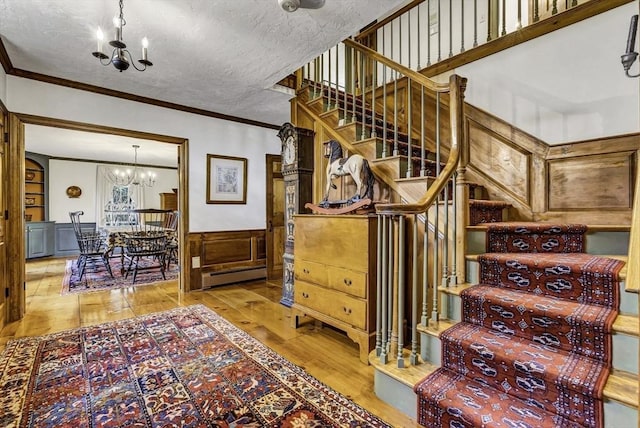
226,180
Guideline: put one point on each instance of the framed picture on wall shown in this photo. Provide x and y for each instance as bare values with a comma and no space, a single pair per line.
226,180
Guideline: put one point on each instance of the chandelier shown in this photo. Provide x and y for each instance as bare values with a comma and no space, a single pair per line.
121,57
135,176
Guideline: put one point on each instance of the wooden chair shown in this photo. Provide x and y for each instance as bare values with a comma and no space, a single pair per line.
171,225
149,220
91,245
145,251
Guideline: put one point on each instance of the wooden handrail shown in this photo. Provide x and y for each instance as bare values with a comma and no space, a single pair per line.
376,26
457,85
413,75
632,282
344,143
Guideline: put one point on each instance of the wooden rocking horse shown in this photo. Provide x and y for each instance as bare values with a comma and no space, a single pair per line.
355,165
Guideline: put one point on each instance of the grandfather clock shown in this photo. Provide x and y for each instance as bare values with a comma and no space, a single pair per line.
297,171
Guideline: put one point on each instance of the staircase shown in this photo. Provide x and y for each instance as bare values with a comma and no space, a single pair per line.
534,344
428,264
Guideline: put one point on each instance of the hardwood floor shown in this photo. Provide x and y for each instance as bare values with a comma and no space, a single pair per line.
254,307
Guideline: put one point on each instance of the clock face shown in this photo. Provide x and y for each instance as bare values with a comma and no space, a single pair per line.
289,153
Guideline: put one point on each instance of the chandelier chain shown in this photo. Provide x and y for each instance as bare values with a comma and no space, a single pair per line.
122,21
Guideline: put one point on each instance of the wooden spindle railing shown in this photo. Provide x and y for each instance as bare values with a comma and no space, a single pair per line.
405,113
448,28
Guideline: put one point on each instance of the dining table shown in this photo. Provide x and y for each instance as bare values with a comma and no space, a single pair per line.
115,238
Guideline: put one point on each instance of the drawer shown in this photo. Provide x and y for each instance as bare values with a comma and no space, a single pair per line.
348,281
310,271
332,303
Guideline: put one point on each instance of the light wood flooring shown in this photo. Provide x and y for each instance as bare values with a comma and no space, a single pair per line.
254,307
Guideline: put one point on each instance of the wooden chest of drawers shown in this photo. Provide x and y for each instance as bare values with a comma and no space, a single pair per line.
335,274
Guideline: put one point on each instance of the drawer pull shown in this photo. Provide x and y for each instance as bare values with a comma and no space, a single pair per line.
346,310
305,270
305,295
347,281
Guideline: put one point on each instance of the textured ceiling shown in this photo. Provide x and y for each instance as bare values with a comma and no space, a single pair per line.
222,56
218,55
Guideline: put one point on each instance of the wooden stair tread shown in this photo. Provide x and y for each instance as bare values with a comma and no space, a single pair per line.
624,323
621,386
456,289
489,202
590,227
622,275
627,324
436,330
409,375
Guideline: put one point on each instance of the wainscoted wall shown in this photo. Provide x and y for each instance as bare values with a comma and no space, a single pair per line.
218,258
586,182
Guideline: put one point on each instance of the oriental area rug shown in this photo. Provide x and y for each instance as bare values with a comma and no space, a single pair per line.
99,279
184,367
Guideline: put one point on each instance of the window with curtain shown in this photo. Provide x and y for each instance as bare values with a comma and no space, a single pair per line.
113,202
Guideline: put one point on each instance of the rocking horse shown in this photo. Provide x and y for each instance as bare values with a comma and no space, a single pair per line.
355,165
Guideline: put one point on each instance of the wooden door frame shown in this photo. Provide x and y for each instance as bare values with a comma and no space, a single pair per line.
16,302
270,160
4,131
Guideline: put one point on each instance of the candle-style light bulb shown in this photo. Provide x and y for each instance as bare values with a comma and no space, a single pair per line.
117,22
100,36
145,45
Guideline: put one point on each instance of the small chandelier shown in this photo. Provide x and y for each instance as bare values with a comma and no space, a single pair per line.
133,176
120,53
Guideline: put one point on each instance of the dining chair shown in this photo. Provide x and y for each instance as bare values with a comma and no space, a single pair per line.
149,220
171,225
145,251
91,244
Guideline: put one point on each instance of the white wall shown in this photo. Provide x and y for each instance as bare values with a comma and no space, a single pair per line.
205,135
566,86
63,173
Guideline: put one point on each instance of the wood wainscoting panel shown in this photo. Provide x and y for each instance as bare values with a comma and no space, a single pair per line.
226,250
577,183
231,256
506,164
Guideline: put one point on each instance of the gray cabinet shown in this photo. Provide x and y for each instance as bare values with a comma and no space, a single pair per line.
39,239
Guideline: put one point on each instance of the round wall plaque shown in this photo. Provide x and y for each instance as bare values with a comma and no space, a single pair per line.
74,191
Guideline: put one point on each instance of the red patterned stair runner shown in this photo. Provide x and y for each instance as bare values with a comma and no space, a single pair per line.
534,345
486,211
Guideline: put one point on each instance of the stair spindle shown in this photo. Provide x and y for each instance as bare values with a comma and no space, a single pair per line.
450,28
379,287
384,285
504,19
363,92
424,317
409,172
396,152
475,23
439,34
453,279
413,357
445,239
401,285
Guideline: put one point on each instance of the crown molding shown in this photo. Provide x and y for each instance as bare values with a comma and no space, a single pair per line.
18,72
5,61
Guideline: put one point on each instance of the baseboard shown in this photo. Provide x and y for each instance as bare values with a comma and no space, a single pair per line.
212,279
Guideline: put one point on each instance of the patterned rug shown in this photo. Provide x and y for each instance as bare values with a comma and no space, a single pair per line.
99,279
534,345
185,367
